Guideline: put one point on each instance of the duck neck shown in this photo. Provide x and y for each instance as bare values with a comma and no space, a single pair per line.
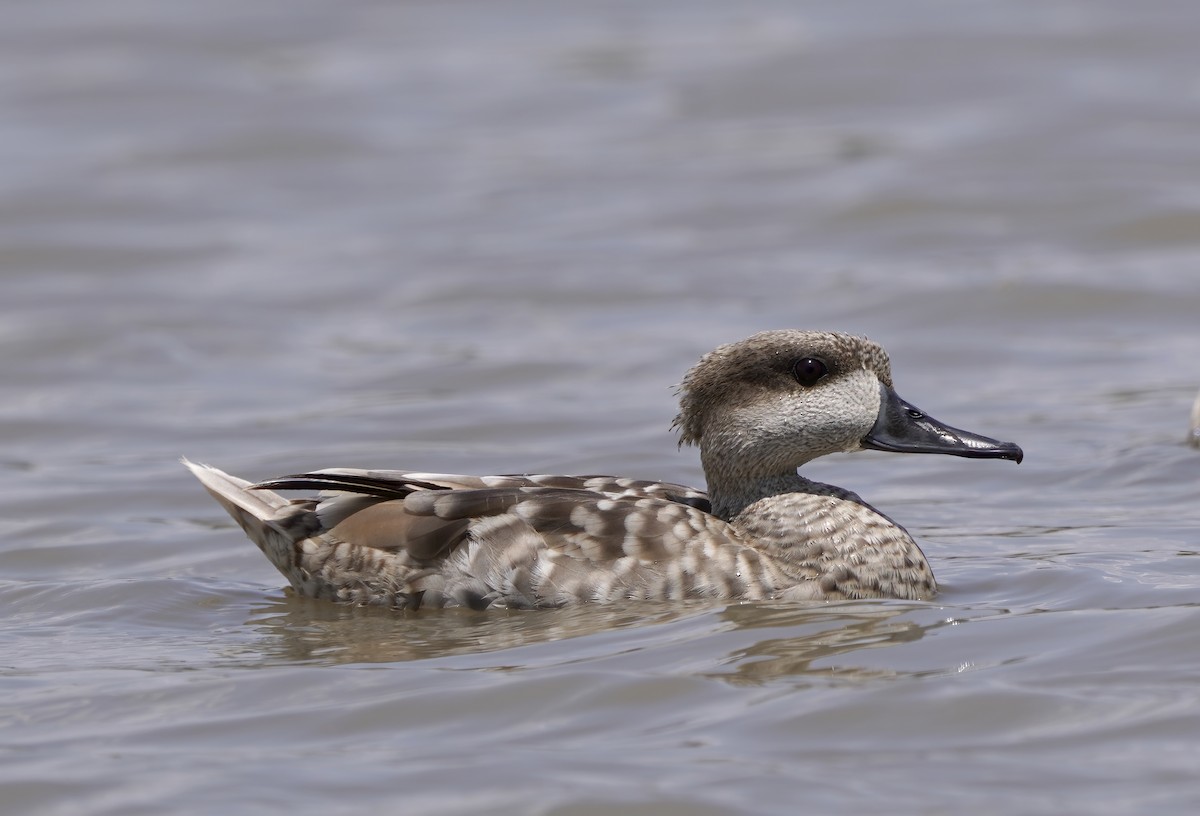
732,488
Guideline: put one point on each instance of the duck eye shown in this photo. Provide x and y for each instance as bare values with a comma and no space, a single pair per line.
808,371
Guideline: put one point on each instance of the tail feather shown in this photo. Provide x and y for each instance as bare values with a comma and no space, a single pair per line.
231,492
257,512
292,537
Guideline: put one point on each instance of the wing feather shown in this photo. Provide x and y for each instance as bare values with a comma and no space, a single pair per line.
536,539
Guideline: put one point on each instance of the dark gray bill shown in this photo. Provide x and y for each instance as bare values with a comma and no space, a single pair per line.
904,428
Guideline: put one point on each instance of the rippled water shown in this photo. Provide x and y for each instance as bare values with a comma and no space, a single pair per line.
485,237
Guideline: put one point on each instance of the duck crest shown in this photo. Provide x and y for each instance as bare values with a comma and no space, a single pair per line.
747,368
758,410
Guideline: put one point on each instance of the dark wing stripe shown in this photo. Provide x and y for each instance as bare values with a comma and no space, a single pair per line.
368,485
700,502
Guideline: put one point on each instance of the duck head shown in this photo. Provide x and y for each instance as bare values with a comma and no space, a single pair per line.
767,404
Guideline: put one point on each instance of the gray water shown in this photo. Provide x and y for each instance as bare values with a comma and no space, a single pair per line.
489,237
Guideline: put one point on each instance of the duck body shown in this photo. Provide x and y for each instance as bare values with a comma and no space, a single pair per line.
758,410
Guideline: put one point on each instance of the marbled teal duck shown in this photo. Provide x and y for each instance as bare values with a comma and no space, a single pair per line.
758,409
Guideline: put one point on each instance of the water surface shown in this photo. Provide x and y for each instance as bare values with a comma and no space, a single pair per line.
479,237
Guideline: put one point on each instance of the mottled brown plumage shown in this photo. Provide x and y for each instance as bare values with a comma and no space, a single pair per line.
757,409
